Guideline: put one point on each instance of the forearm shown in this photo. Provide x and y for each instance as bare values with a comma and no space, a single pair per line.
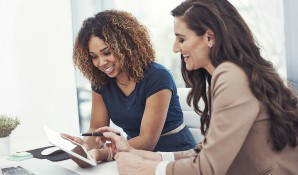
188,153
167,166
184,161
184,154
142,143
164,156
139,150
147,154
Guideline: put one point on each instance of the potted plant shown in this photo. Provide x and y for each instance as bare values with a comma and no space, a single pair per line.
7,125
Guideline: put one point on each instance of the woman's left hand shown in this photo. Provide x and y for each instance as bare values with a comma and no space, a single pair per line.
119,143
131,164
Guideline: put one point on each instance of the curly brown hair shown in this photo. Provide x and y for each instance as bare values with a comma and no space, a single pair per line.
235,43
128,40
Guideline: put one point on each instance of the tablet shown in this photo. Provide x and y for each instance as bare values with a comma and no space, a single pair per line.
67,145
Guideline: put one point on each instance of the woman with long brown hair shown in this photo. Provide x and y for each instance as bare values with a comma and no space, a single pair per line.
250,118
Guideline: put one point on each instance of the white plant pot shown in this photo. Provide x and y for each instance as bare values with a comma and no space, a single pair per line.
4,146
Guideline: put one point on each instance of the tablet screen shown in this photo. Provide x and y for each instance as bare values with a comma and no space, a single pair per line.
56,139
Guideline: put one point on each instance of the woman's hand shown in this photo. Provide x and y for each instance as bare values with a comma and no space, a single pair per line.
77,149
74,140
131,164
96,153
147,155
119,143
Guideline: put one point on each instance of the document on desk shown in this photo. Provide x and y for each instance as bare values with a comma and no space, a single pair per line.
56,139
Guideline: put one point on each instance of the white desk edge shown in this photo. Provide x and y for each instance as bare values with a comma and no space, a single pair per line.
102,168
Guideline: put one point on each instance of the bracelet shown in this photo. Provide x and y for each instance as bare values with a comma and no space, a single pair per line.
168,156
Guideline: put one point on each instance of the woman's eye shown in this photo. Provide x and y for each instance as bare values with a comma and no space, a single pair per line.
180,40
107,53
92,57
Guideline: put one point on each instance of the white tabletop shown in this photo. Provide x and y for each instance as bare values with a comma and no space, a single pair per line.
109,168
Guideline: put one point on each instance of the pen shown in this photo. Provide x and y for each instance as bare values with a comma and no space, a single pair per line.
96,134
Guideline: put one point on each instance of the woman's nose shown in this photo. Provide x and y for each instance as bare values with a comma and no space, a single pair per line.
176,48
102,61
99,62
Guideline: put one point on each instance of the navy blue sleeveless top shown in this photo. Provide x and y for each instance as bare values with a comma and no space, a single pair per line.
127,111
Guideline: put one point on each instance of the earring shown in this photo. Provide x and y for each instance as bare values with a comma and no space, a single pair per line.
210,45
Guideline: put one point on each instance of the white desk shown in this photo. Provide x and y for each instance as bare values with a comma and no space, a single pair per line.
109,168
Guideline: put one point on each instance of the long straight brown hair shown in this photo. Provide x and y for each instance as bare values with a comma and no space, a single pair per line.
234,42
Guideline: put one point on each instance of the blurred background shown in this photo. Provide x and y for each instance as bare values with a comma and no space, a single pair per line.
39,84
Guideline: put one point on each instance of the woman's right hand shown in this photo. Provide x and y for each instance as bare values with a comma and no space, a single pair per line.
119,143
77,149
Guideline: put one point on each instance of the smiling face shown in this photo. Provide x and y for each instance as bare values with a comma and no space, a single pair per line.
103,58
194,49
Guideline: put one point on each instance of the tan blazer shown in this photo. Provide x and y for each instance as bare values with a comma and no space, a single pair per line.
237,141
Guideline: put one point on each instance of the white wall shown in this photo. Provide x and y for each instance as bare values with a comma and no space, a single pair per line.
291,28
37,81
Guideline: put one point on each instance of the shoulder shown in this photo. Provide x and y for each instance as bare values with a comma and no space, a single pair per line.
153,66
158,70
157,78
229,72
229,68
230,82
230,89
102,89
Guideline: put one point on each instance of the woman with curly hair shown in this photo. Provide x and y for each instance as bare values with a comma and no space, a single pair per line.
250,119
114,52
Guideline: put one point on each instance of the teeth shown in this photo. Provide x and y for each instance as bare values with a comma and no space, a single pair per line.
185,56
109,69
